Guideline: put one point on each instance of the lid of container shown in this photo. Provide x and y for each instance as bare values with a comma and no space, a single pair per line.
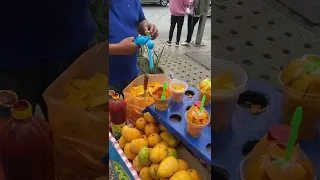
115,96
198,104
21,110
7,98
279,132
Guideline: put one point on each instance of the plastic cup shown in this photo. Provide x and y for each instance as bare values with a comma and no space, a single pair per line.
243,168
177,95
193,130
310,104
224,101
162,105
207,102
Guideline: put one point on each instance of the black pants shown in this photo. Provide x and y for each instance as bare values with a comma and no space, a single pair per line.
179,21
29,83
192,21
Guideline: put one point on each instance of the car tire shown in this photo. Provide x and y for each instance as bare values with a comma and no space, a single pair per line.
164,3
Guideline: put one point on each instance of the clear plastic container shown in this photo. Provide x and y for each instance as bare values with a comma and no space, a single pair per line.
206,92
224,101
292,98
194,130
162,105
177,95
299,156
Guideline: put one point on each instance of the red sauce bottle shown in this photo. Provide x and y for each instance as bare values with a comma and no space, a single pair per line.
117,110
25,145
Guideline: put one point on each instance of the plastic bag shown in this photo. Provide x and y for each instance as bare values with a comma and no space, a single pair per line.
80,135
135,105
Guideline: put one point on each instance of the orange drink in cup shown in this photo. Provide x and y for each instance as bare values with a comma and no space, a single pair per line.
161,104
178,89
196,121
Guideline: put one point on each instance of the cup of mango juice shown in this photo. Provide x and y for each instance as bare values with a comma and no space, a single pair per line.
161,105
228,82
196,121
204,88
178,89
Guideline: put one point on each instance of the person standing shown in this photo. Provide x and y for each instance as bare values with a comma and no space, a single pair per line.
178,9
126,22
193,19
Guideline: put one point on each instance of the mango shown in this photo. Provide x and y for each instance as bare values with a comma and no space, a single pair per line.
164,143
153,171
127,152
144,137
172,152
194,174
122,142
141,123
162,128
154,139
168,167
136,164
144,174
151,128
137,144
181,175
169,139
158,153
148,117
130,134
183,165
143,156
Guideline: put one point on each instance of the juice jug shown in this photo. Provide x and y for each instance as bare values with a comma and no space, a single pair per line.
25,145
7,98
117,110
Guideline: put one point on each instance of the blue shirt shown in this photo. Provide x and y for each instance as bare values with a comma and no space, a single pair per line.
43,30
124,17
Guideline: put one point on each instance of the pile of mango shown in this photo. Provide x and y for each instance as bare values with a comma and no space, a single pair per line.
152,150
89,94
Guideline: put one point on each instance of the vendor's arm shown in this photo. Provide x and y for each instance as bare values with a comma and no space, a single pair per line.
125,47
114,49
142,22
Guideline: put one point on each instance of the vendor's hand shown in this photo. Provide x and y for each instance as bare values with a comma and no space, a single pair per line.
153,30
127,47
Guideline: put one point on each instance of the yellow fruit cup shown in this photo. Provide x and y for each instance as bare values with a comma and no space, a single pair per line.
195,127
204,88
178,89
161,105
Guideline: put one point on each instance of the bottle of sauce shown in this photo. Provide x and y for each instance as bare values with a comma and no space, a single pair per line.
25,145
117,110
7,98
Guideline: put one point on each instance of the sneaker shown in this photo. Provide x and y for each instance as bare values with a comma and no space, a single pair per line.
185,43
168,43
177,44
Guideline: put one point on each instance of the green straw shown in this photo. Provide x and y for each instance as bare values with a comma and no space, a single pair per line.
295,124
202,103
163,97
309,68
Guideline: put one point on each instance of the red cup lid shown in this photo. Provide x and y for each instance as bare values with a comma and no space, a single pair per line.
279,132
198,104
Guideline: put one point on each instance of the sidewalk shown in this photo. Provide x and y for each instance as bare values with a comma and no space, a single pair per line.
190,64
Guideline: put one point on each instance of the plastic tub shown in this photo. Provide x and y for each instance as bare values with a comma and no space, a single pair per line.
245,161
310,104
224,101
193,130
177,95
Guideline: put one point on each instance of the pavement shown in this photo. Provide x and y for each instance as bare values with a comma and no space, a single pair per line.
182,60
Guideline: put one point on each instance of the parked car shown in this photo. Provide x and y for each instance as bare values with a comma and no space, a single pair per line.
163,3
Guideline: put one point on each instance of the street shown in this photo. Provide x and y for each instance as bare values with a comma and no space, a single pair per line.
160,16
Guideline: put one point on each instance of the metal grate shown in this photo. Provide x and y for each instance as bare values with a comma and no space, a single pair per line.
258,38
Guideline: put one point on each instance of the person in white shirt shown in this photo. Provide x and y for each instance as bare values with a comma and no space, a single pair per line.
193,19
